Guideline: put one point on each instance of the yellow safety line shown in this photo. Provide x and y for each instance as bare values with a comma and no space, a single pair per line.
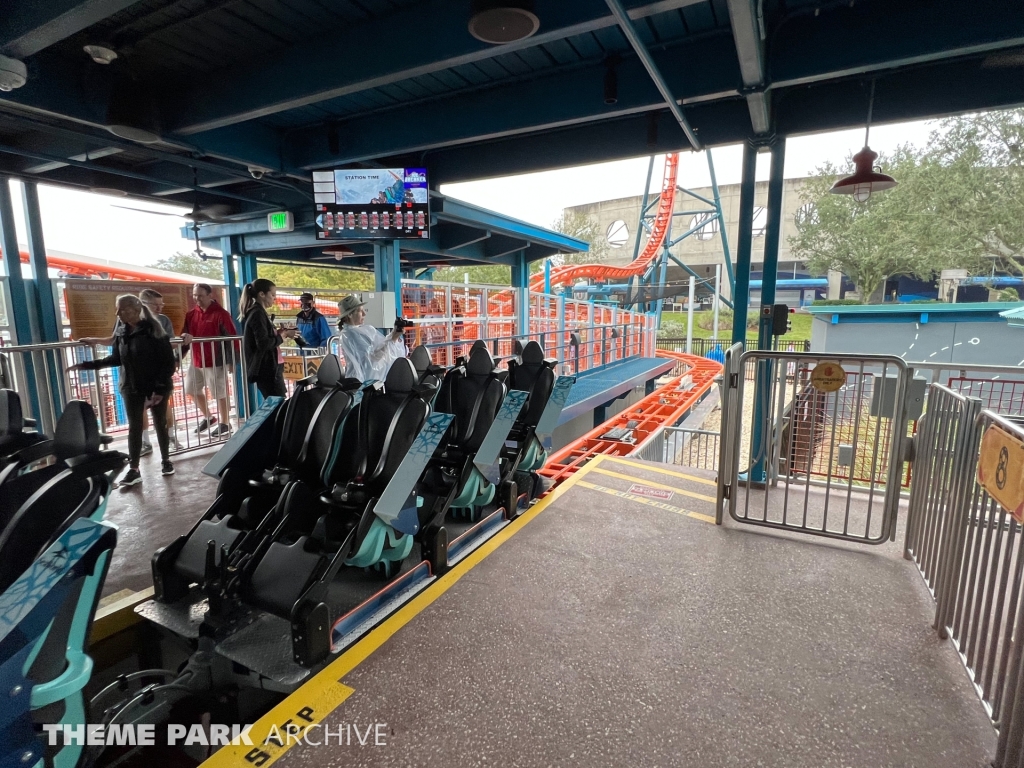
324,692
645,481
701,480
648,502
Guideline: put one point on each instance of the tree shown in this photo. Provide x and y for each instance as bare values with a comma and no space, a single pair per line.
190,264
308,278
583,227
959,204
483,274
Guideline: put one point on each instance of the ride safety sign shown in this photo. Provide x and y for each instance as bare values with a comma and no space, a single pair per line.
1001,469
828,377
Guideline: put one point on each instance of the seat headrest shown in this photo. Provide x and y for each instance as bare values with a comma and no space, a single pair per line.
480,362
401,377
329,372
478,344
532,353
517,347
77,432
420,358
11,421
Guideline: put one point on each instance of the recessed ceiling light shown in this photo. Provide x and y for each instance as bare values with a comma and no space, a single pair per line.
499,22
108,191
101,54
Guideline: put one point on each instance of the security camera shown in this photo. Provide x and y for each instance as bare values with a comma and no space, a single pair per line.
256,173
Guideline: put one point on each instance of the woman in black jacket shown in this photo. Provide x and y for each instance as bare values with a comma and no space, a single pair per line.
261,338
143,350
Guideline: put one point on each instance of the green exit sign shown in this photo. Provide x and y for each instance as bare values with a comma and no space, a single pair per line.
280,221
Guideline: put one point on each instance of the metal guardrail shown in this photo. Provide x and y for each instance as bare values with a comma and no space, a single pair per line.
682,446
704,347
39,373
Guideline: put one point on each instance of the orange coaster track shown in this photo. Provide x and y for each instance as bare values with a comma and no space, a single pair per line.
570,273
666,406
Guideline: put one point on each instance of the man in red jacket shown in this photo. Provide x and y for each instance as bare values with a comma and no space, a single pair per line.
211,360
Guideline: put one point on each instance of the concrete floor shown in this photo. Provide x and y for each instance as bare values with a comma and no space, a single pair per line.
151,514
609,632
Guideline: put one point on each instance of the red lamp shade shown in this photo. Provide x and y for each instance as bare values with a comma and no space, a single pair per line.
865,180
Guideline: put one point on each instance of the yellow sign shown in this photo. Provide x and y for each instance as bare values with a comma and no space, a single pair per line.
828,377
296,367
1001,469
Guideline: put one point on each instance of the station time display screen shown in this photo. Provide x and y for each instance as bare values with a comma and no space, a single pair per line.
371,204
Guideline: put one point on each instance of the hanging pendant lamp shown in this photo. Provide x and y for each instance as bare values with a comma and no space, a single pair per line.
866,179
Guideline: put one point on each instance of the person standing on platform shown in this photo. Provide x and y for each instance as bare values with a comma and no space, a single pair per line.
261,339
368,353
313,330
154,301
209,369
143,350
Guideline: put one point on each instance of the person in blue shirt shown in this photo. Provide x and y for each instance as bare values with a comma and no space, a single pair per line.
312,326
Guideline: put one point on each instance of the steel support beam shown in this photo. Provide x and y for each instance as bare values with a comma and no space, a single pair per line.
32,25
49,328
348,60
744,243
746,31
652,69
772,235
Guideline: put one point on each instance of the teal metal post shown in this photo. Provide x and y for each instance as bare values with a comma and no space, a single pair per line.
665,255
773,230
20,316
395,277
763,386
744,242
547,277
227,248
721,225
643,213
521,281
247,273
49,323
18,313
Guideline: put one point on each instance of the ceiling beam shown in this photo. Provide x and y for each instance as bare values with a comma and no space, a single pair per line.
746,32
350,59
626,26
30,26
702,68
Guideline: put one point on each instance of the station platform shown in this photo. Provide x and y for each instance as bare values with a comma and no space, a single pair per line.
614,624
599,386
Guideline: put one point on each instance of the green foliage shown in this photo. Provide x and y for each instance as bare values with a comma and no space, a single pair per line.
190,264
959,204
324,278
673,326
583,227
493,274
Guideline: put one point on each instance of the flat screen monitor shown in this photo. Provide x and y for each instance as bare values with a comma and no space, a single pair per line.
371,204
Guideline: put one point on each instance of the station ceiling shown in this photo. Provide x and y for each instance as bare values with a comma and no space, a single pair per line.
288,86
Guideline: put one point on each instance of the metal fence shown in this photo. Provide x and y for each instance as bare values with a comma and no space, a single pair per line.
706,347
212,373
968,548
683,446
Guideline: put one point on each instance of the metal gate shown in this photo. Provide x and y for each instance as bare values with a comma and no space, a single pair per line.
814,443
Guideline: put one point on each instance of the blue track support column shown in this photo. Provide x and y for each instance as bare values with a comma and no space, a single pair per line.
547,277
726,255
247,273
49,324
521,282
744,242
18,313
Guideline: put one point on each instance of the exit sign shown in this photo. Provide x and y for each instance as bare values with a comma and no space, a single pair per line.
280,221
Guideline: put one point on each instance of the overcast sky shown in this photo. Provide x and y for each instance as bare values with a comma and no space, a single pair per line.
94,225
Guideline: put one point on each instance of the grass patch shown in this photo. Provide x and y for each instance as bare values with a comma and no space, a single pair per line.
801,326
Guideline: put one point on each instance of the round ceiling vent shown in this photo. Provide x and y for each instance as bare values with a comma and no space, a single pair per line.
503,21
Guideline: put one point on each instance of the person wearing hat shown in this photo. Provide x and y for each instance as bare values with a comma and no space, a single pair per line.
368,353
312,326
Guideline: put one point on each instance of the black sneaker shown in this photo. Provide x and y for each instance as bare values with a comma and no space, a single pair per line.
205,425
167,468
131,477
220,429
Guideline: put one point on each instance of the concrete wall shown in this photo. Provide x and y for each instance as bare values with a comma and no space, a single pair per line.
703,254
